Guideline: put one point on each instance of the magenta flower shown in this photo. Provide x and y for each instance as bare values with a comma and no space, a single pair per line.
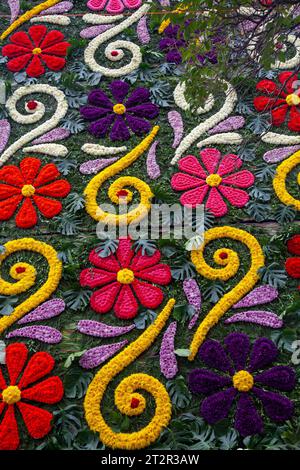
132,113
113,6
216,179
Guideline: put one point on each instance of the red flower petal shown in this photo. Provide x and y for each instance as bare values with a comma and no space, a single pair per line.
35,68
149,296
16,356
11,51
263,103
39,365
182,181
52,62
293,245
229,163
294,121
59,188
124,253
9,206
18,63
216,204
288,79
126,306
140,261
109,263
58,49
292,266
279,115
191,165
27,216
49,391
102,300
210,158
267,86
11,174
7,191
9,434
47,174
48,207
241,179
29,167
21,38
37,33
93,277
236,197
194,197
53,37
3,385
159,274
37,420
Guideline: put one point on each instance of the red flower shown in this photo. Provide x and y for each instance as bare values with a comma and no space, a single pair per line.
28,185
282,100
292,265
120,275
36,49
17,394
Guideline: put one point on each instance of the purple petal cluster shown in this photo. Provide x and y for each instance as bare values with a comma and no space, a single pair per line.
102,330
230,124
277,155
168,361
153,169
222,394
46,334
93,166
95,356
49,309
193,295
259,317
176,122
142,30
138,110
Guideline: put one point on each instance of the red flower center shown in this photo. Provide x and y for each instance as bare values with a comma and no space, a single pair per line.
32,105
122,193
114,53
223,255
20,270
134,402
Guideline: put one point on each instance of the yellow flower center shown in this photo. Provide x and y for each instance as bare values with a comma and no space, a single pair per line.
119,108
243,381
293,99
36,50
213,180
28,190
125,276
11,394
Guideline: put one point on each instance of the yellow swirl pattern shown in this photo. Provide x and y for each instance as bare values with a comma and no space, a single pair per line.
230,268
92,189
25,276
125,392
279,180
27,16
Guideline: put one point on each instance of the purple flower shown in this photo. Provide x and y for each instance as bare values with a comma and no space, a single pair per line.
123,115
242,383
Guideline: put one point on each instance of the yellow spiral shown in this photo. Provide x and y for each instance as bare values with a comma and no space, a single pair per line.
279,180
28,15
229,259
126,392
25,275
92,189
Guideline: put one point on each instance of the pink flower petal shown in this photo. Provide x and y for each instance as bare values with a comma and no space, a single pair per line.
158,274
190,164
236,197
194,197
181,181
229,163
149,296
215,203
102,300
242,179
126,306
210,158
93,277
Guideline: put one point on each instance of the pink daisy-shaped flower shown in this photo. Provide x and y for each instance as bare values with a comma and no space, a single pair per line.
212,181
121,277
113,6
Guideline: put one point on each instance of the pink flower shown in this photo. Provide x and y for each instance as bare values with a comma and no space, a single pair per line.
120,277
215,179
113,6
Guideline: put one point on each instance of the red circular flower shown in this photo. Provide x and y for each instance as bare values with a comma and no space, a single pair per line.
26,187
292,265
119,276
283,100
32,105
35,49
16,390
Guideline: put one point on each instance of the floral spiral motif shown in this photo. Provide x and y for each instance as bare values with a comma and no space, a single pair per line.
25,275
143,189
279,181
229,260
127,400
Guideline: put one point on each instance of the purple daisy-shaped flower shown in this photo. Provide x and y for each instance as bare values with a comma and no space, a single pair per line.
125,114
242,382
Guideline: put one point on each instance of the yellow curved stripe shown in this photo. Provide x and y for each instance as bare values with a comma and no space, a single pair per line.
279,180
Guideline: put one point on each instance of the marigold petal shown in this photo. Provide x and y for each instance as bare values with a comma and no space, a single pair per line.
18,63
51,38
141,261
287,79
279,114
278,407
22,39
59,49
48,207
37,420
29,167
7,191
39,365
9,206
53,62
59,188
49,391
16,357
37,33
11,51
35,68
27,216
11,174
48,173
9,434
